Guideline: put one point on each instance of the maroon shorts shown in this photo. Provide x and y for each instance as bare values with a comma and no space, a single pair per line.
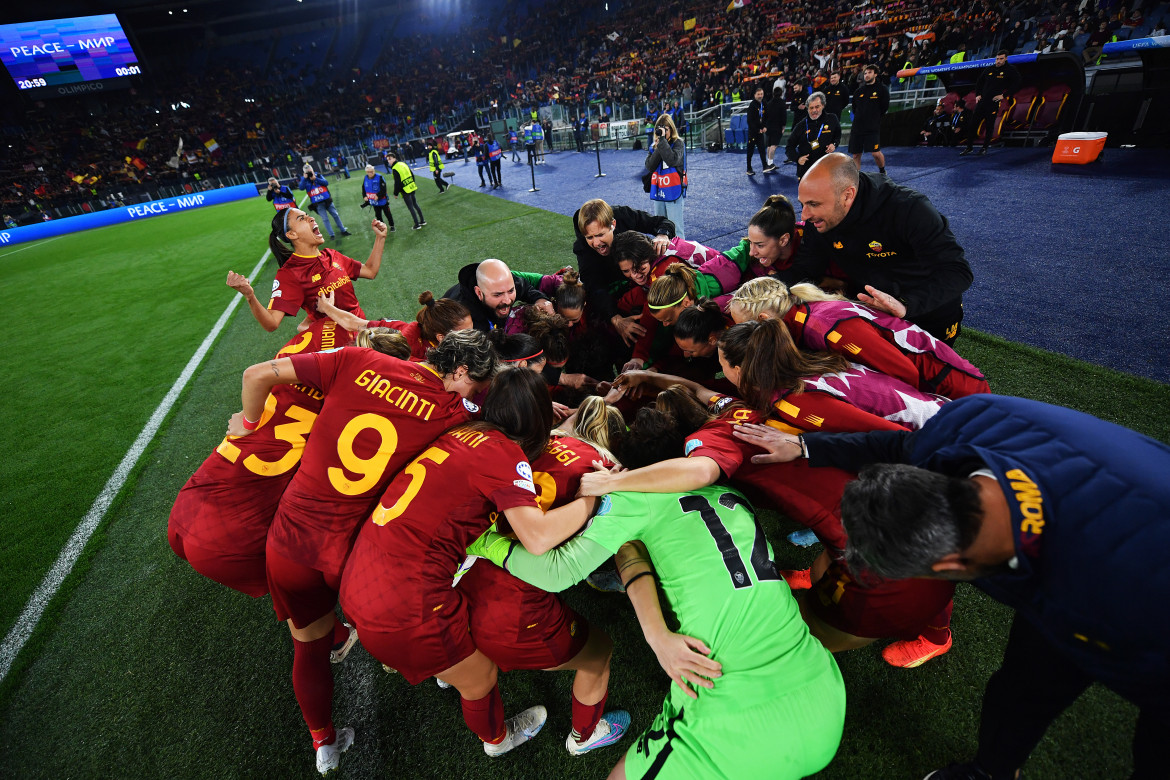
900,609
520,626
299,593
244,573
425,650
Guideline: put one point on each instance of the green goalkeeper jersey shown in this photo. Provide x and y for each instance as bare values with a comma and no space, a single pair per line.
716,571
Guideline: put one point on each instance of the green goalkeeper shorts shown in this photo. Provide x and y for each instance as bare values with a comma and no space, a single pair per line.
791,734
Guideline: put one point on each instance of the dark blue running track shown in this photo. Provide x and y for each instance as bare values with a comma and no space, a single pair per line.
1068,258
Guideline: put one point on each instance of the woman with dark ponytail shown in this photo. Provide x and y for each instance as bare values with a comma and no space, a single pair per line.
773,238
565,335
698,328
432,323
817,391
551,331
306,271
590,359
672,293
564,287
526,351
810,391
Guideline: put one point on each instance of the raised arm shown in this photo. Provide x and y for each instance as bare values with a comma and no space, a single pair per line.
268,319
374,261
643,222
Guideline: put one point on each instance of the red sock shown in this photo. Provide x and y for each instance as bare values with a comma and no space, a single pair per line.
340,632
486,716
585,717
312,679
938,630
325,736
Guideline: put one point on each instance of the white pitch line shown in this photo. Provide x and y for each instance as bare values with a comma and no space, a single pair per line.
27,622
30,246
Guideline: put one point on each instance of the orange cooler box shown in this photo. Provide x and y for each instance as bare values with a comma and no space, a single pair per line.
1079,148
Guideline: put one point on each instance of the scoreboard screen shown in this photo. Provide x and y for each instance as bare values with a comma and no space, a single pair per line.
66,51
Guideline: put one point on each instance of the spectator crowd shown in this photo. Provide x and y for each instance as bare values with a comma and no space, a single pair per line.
235,119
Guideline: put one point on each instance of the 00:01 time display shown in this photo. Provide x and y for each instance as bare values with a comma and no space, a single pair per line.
31,83
131,70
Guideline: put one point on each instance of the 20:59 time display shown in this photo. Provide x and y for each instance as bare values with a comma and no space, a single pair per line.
31,83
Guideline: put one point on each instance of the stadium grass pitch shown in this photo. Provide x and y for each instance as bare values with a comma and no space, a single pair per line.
142,668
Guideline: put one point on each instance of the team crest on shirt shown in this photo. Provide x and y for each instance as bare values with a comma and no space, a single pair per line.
524,470
875,246
573,628
692,445
722,403
468,405
336,265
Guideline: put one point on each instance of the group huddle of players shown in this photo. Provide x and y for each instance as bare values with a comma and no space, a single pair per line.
441,483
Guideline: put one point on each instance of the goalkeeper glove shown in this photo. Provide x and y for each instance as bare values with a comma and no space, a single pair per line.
494,546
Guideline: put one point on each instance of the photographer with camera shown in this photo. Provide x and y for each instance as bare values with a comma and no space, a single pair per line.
666,173
374,194
279,195
320,201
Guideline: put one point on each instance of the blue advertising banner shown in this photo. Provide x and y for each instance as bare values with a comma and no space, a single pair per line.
1015,59
1138,44
133,213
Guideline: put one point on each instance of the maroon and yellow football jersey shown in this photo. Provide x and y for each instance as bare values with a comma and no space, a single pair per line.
426,519
228,504
378,414
810,496
301,279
